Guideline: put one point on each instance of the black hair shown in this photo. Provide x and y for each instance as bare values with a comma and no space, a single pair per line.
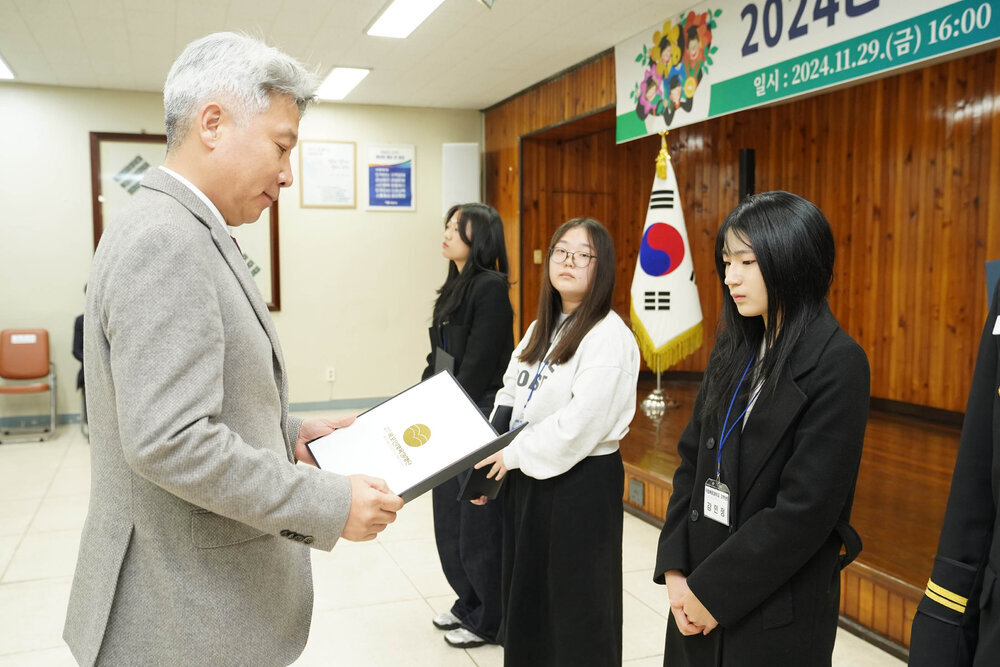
487,253
793,245
594,307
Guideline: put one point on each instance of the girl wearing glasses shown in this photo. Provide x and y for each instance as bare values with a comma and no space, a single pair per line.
572,379
471,335
750,548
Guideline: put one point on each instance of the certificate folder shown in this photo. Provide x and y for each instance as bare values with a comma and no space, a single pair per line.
417,439
476,483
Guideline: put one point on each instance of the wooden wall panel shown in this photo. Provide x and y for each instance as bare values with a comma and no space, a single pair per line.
579,92
901,166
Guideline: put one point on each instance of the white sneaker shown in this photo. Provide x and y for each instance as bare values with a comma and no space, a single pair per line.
446,621
462,638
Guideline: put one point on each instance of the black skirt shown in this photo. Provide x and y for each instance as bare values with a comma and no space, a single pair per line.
562,583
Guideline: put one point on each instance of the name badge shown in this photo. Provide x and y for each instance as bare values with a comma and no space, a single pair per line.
717,501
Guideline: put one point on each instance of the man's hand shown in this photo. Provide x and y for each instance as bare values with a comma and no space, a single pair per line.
317,428
678,590
373,507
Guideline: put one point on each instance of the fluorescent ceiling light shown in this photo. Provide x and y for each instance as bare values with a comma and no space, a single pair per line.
402,17
340,82
5,72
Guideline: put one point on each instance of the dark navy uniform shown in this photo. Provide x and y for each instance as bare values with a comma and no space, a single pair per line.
958,620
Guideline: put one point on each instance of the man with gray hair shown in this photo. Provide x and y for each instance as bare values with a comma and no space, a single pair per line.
196,544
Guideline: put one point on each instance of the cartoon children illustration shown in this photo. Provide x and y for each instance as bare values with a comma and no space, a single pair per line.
675,66
651,95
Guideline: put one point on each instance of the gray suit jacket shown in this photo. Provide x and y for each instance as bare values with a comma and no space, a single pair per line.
196,544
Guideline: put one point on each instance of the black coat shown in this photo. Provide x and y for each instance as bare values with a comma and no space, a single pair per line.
772,578
480,336
958,620
78,348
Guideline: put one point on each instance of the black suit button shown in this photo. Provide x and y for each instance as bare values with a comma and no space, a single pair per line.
694,515
710,443
308,539
286,533
299,537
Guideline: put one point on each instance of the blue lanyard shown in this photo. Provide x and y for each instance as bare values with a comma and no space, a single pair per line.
534,383
541,367
727,431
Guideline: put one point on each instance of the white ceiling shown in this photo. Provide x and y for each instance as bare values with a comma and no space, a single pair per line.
463,56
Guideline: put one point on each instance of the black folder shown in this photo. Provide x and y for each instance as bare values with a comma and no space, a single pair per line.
477,484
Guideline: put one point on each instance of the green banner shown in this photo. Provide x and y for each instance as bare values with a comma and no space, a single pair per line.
929,35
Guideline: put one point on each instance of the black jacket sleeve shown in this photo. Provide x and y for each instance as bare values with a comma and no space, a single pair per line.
946,626
672,549
489,337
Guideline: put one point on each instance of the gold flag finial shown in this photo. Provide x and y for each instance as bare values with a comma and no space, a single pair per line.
663,156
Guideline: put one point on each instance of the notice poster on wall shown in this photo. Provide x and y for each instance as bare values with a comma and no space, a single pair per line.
391,178
326,174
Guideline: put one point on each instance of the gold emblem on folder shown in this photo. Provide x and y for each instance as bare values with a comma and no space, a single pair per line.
417,435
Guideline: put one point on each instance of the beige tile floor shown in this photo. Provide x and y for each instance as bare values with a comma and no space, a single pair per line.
374,601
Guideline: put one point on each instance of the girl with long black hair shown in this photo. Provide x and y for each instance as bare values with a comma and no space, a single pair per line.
750,549
472,335
572,379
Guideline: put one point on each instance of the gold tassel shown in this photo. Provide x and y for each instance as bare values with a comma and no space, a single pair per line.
672,352
662,157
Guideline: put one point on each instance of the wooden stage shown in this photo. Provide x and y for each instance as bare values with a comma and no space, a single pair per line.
899,505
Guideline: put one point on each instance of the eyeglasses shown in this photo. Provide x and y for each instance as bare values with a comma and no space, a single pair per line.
581,260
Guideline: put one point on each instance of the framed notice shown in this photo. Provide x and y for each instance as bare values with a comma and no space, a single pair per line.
258,241
391,178
327,174
118,161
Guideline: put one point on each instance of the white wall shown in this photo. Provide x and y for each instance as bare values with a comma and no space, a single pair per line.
356,286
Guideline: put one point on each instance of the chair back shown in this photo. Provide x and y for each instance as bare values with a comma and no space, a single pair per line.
24,354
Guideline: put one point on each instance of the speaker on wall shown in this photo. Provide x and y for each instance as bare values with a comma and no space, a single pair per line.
460,175
746,172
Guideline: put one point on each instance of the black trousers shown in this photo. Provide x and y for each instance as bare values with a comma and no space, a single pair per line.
562,581
470,543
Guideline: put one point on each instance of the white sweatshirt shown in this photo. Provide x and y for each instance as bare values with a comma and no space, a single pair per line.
580,408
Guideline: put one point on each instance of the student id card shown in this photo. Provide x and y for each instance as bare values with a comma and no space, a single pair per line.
717,501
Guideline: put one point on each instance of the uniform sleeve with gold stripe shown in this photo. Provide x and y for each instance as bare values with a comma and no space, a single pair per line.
946,628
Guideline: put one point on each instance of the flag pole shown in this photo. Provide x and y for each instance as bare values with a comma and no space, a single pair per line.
657,403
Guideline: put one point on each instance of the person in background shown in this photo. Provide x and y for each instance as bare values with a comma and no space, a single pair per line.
572,379
196,545
957,623
78,355
472,335
750,547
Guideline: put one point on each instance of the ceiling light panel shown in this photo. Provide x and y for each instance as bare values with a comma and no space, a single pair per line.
402,17
340,82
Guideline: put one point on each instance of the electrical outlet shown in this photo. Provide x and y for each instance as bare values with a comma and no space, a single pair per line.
636,492
331,374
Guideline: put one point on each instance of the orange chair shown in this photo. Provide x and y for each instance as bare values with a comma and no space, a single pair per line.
24,355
